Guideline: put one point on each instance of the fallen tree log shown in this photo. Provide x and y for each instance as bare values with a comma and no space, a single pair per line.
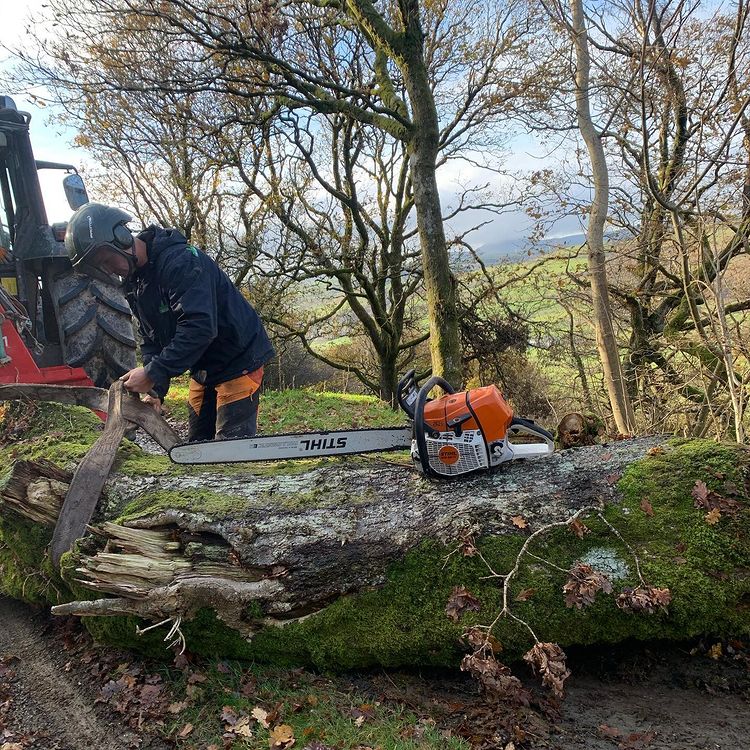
347,563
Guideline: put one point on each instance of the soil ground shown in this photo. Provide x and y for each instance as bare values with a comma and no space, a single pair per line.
639,697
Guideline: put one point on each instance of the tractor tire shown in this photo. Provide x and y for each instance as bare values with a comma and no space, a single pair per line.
95,325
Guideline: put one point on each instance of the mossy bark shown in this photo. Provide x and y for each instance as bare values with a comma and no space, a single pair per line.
351,564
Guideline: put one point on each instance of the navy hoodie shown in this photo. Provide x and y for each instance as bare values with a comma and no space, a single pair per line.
191,316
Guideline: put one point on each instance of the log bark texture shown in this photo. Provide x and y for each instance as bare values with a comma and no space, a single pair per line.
352,562
294,543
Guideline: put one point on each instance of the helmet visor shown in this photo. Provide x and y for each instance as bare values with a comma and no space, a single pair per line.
106,263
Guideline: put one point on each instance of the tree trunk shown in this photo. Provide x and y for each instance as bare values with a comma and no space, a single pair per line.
445,345
606,340
353,563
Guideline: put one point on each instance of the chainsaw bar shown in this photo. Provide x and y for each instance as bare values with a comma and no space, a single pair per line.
293,446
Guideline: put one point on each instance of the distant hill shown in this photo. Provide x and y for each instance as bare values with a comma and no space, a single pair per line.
511,250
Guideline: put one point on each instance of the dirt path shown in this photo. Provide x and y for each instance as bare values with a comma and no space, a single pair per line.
48,707
639,697
657,698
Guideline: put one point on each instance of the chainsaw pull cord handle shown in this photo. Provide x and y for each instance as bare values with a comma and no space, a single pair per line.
419,426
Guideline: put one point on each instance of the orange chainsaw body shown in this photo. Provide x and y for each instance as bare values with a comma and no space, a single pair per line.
482,409
460,433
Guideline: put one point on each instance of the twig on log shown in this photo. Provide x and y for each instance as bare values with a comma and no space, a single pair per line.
183,598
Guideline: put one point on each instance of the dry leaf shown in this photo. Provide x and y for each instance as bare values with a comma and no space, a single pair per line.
186,730
715,652
242,727
468,548
519,522
637,741
175,708
607,731
578,528
549,660
478,640
646,507
261,716
657,450
647,599
525,595
281,737
460,601
583,584
712,517
495,678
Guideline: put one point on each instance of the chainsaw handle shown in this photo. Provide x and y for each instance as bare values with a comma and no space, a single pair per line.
419,426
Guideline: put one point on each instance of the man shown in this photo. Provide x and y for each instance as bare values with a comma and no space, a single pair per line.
190,315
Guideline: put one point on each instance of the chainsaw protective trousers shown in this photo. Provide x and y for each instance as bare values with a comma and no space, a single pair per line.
226,410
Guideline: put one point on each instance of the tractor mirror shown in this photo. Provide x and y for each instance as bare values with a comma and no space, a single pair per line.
75,191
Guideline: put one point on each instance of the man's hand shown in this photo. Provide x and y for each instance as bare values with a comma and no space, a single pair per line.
137,380
153,402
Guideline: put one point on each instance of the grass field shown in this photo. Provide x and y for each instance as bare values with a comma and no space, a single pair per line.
299,410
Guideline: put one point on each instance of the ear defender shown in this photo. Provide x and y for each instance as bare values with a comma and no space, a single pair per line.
122,237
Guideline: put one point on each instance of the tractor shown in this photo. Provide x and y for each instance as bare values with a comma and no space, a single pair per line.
58,327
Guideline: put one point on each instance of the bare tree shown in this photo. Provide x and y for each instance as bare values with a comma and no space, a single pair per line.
276,140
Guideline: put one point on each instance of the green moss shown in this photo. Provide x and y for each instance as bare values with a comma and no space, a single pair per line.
404,622
26,573
203,501
58,433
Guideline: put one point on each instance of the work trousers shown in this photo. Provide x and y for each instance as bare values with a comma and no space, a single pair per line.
225,410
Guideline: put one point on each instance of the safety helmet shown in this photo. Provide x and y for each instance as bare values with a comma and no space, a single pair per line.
94,232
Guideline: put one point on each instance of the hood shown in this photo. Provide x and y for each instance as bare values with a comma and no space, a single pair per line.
158,240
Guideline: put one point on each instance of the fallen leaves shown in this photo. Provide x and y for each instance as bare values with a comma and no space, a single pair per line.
467,545
579,528
632,741
648,599
646,507
714,503
185,731
713,516
234,724
525,595
481,639
281,737
261,716
461,600
583,584
519,522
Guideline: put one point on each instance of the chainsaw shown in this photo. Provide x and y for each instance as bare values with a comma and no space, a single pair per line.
455,434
